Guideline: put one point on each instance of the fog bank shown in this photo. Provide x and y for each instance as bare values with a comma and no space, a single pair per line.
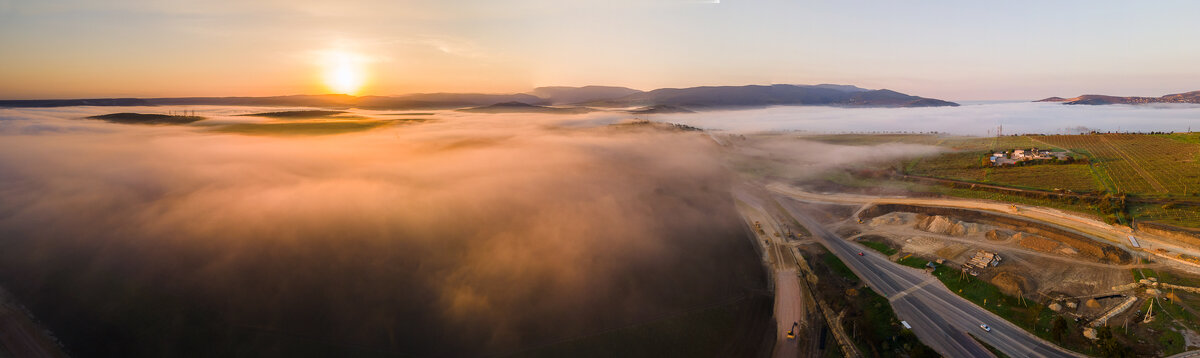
464,235
969,119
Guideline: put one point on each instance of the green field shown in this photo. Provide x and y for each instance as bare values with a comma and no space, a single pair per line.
836,265
879,246
880,325
954,165
1074,177
968,163
1193,138
1147,166
1144,165
912,261
1182,216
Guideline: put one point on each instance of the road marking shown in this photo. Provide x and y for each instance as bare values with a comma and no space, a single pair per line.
910,290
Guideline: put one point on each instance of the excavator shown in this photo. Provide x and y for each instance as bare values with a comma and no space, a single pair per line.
791,334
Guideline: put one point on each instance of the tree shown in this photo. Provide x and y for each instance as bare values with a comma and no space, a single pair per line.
1108,345
1058,328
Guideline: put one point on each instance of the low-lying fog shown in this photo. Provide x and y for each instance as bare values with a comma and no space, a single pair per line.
443,234
460,235
968,119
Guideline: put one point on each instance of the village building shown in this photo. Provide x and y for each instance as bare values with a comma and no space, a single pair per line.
1020,155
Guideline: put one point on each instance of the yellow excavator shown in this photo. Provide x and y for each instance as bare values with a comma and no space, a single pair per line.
792,332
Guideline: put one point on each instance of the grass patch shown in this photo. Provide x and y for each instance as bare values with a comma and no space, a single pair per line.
1176,215
914,262
881,247
1168,340
987,295
836,265
1074,177
955,165
868,316
1167,277
1192,137
1172,342
878,324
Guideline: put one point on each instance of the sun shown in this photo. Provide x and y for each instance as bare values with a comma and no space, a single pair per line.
345,72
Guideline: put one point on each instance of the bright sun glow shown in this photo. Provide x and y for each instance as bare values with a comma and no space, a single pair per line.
344,72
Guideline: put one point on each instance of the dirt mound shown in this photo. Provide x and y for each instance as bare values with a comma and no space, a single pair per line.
936,224
1036,243
893,218
999,235
1010,284
927,219
1092,303
963,228
939,224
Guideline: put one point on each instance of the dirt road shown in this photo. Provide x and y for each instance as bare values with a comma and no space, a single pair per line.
790,301
1117,235
788,310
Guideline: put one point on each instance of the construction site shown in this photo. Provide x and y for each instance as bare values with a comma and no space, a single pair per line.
1101,291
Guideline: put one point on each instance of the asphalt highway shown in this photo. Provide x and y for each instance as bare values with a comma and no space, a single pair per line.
939,318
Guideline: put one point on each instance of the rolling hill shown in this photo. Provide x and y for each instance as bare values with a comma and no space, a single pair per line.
1095,99
713,97
571,95
519,107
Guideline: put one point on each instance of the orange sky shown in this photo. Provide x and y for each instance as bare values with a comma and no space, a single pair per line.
1014,50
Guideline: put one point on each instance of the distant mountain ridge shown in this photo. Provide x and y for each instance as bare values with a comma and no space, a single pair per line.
1095,99
572,95
676,99
521,107
74,102
773,95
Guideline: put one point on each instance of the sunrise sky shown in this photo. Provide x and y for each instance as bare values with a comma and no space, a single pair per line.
942,49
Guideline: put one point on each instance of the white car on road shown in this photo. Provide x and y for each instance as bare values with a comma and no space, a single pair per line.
985,327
